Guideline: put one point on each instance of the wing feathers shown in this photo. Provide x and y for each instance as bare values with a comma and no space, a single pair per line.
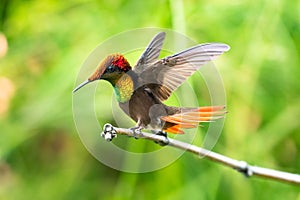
152,51
173,70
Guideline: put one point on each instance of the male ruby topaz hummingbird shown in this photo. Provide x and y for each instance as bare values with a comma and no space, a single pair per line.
142,89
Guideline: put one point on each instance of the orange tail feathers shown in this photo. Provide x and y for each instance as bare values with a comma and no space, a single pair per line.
190,118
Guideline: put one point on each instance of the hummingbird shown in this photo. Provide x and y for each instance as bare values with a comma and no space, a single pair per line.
141,90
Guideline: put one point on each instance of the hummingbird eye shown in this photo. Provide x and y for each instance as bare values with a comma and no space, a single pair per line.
110,68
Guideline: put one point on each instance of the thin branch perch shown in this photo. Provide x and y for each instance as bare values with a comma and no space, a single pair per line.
109,132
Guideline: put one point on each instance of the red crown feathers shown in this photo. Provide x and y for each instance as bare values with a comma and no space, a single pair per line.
121,62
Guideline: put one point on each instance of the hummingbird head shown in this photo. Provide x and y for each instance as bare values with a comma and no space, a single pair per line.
110,69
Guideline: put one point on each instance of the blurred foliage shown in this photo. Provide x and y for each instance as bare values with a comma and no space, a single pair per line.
41,154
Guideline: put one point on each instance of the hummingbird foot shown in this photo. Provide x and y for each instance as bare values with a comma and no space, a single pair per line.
109,132
162,133
136,131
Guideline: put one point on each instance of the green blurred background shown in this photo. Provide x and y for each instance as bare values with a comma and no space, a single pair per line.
41,155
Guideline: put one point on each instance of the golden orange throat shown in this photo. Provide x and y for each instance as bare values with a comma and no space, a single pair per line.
124,88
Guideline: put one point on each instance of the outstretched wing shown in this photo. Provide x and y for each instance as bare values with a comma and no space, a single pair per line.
152,51
166,75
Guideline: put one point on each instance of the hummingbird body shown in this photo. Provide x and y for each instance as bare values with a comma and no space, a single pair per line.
141,91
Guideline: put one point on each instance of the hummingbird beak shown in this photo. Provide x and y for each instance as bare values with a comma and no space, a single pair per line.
81,85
